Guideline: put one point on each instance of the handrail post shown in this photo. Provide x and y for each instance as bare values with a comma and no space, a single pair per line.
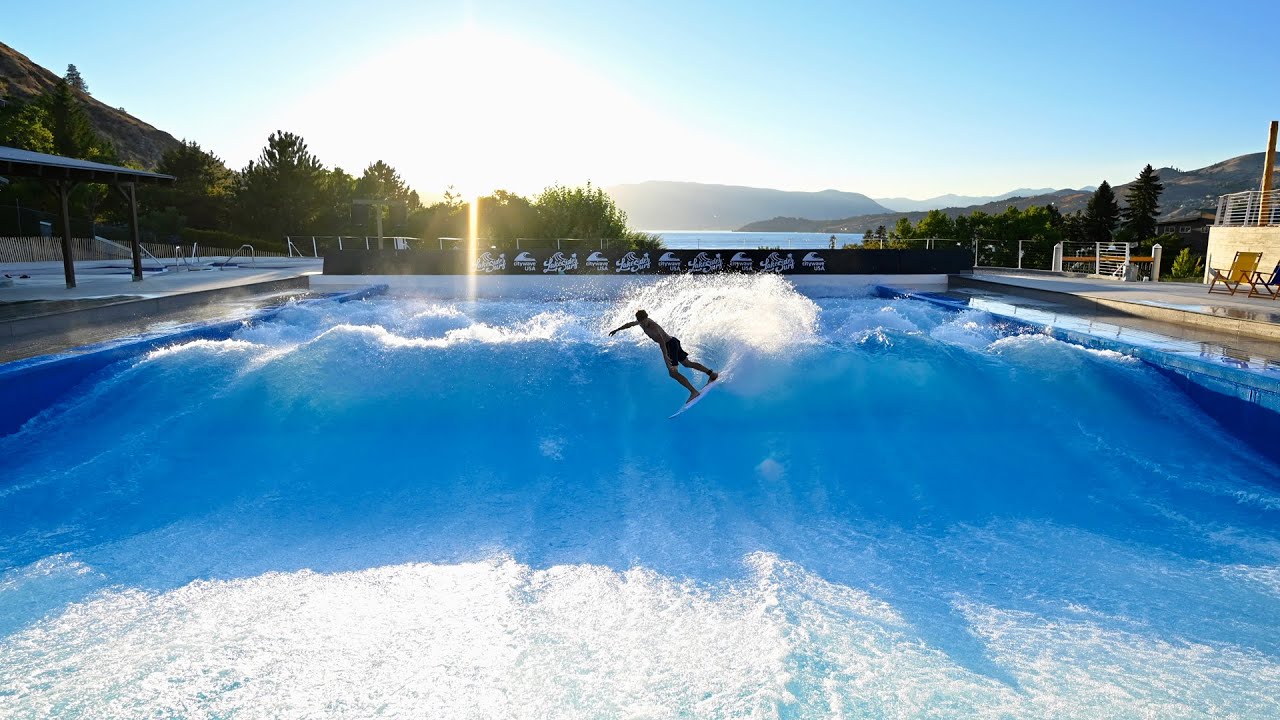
1097,258
1019,254
315,252
1157,253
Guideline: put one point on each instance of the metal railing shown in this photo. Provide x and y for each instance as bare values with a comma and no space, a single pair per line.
1013,254
253,257
1252,208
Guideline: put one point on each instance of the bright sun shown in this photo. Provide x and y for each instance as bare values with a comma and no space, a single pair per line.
483,111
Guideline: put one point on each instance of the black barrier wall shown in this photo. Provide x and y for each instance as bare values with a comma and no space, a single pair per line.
622,262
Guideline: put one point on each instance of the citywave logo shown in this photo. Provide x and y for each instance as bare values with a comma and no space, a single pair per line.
705,264
741,261
487,263
777,263
630,263
526,262
559,263
597,261
814,262
669,261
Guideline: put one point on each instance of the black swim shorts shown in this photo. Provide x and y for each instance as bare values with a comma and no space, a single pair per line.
675,353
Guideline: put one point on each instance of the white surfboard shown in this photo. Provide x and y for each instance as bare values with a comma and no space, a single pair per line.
705,389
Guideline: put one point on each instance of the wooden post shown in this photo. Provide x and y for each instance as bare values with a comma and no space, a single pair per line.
68,263
135,235
1268,168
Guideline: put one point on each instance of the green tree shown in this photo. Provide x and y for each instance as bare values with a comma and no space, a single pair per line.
1186,265
25,126
203,191
1143,205
902,230
1101,215
380,181
580,212
1073,228
74,79
505,216
936,224
337,190
282,191
73,134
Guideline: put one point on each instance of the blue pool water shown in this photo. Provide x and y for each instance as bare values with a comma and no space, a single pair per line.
411,508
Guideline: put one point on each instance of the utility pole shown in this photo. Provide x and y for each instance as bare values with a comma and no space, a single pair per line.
378,206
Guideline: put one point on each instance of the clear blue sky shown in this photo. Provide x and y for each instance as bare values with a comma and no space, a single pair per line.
885,98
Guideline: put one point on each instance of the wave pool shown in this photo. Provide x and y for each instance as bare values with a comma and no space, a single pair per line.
403,507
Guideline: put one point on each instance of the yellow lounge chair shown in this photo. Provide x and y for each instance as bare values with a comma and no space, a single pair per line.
1242,269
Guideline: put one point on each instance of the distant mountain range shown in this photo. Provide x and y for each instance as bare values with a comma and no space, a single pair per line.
949,200
135,141
1185,193
664,205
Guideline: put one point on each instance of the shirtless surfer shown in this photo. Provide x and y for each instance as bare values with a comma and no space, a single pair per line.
672,353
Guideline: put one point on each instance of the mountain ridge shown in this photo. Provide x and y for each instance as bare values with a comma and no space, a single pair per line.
135,141
900,204
670,204
1185,193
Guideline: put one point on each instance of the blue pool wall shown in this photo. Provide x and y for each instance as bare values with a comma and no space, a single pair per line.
1245,404
29,386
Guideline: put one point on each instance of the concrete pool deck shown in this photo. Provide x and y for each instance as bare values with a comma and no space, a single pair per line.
40,315
1181,304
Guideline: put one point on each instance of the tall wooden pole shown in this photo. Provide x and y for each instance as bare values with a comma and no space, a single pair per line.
68,263
135,239
1268,168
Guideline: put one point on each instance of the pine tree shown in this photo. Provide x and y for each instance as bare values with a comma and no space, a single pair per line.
282,189
74,79
1143,198
203,190
1102,215
73,134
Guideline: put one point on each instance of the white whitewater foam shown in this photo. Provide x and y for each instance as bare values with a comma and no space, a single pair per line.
499,639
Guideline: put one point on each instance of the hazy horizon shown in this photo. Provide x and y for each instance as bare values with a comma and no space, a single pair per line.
891,102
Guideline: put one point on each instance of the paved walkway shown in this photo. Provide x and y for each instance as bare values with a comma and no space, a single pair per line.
1175,303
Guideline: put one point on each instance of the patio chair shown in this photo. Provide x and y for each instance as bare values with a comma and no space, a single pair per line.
1243,268
1270,284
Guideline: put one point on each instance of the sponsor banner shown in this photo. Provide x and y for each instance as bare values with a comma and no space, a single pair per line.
541,262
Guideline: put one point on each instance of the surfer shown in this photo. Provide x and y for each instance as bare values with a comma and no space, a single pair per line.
672,354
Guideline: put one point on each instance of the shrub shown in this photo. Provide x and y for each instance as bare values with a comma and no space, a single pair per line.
1186,265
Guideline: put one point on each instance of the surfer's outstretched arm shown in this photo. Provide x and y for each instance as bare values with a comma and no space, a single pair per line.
633,323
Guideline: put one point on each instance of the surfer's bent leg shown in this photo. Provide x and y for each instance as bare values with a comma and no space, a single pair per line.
711,374
674,372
